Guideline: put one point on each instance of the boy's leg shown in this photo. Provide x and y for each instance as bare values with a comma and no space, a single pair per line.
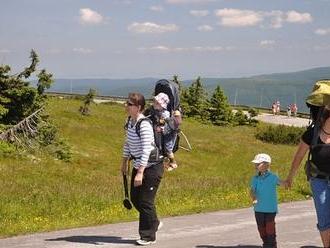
261,224
270,230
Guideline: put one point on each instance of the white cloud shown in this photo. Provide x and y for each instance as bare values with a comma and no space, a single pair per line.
268,19
322,31
53,51
88,16
205,28
322,48
188,1
82,50
296,17
267,43
238,18
276,18
157,8
5,51
149,27
208,49
199,13
166,49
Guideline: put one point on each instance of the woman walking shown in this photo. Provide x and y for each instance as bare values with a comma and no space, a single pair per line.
316,140
146,174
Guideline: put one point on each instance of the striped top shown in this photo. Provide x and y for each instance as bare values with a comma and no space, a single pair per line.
139,147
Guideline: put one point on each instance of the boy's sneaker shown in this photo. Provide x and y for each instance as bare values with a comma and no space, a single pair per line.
160,225
145,242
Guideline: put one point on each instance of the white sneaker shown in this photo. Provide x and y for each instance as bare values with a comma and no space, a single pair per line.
145,242
160,225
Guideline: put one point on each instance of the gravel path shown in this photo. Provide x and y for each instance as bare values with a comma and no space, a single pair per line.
222,229
282,119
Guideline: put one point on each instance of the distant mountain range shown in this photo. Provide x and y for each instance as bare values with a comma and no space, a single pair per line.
259,91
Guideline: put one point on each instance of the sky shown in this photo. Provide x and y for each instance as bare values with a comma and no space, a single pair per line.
162,38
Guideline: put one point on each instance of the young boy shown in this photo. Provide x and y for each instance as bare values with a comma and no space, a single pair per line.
167,126
264,197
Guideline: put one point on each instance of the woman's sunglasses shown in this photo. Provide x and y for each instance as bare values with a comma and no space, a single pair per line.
129,103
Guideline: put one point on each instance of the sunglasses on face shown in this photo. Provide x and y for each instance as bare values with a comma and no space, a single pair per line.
129,103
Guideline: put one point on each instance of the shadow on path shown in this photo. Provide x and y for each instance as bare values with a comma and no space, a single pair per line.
247,246
94,239
235,246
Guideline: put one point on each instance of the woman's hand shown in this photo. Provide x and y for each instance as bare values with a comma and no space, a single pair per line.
138,179
124,166
288,182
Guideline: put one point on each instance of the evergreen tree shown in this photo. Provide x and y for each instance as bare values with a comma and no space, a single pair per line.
177,82
194,100
220,112
87,102
18,99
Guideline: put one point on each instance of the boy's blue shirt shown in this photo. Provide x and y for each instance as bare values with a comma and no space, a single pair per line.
264,188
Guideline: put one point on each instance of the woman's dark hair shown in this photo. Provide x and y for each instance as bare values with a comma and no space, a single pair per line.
137,99
325,116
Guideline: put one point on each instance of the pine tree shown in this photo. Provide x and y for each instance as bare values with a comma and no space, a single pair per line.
177,82
18,99
194,100
87,102
220,112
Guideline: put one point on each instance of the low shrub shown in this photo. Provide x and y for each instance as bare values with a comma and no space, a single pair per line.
280,134
6,148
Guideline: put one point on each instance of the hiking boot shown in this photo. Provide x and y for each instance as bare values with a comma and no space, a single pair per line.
173,165
145,242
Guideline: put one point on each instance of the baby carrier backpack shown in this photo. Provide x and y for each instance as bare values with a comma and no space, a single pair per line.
316,101
172,91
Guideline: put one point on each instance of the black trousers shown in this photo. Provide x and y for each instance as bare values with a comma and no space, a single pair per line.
143,199
266,228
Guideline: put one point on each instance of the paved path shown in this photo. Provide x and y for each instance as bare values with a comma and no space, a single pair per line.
222,229
282,119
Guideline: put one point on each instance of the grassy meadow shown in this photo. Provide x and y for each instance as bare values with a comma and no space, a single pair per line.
40,193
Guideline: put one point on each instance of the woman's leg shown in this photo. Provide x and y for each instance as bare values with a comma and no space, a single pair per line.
321,196
325,236
143,198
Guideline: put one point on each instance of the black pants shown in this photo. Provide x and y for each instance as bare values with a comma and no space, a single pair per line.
143,199
266,228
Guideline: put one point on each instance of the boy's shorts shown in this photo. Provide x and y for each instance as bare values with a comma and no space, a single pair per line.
321,195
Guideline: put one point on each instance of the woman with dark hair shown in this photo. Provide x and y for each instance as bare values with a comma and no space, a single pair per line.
146,174
316,140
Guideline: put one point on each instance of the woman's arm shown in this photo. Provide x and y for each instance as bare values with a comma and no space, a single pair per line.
298,157
147,139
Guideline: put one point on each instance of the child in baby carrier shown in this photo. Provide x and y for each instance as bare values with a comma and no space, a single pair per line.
167,126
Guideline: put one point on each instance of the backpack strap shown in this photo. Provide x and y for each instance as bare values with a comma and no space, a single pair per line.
138,125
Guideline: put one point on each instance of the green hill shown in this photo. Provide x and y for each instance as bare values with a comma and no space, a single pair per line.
258,91
40,193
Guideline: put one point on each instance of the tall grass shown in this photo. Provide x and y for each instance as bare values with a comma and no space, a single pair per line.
40,193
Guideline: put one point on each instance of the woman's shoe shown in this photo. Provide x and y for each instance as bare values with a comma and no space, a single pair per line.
145,242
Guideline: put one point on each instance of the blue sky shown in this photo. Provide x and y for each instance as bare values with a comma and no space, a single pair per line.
160,38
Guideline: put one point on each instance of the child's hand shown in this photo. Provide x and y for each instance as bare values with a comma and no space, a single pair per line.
255,202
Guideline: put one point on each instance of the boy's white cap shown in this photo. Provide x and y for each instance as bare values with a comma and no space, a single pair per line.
261,157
